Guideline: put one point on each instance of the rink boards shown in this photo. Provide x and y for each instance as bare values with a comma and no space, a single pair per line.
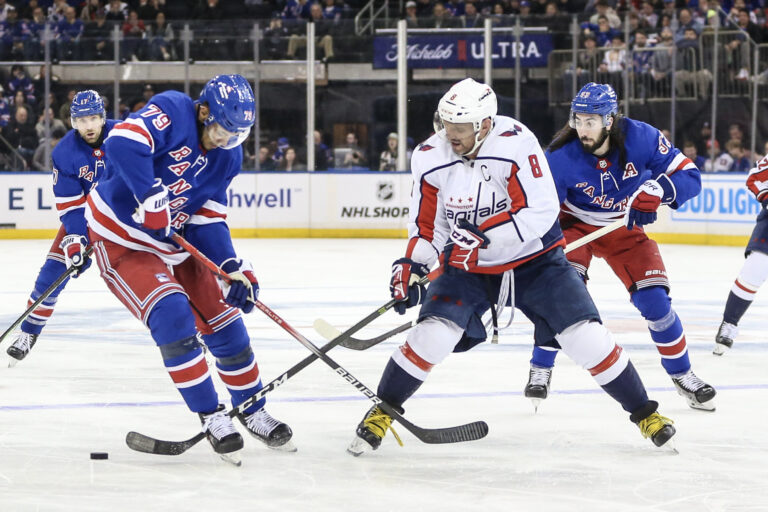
370,204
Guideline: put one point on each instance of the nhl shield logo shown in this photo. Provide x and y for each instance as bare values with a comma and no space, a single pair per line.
385,190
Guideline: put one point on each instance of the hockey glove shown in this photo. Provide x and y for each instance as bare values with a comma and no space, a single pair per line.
154,212
74,253
244,288
404,285
757,181
463,250
643,204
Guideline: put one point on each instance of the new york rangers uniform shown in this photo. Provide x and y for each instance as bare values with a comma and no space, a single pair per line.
594,192
162,141
77,166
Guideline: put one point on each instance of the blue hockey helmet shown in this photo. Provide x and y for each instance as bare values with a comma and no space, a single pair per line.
594,98
231,106
86,103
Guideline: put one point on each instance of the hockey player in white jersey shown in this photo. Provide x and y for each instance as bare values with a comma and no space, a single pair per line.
484,205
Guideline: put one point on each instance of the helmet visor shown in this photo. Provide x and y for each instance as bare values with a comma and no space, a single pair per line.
226,139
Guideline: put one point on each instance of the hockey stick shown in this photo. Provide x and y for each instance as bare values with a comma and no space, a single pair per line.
140,442
63,277
329,332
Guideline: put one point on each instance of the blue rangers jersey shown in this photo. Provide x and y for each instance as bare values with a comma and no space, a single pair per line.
596,190
162,141
76,168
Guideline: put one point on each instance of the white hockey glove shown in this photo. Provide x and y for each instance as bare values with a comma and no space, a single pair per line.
154,212
643,204
73,247
244,288
463,249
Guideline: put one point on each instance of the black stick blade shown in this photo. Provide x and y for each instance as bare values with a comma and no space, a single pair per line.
145,444
462,433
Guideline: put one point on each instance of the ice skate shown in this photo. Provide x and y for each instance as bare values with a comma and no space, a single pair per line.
724,338
537,388
657,427
274,433
222,434
371,431
21,347
696,392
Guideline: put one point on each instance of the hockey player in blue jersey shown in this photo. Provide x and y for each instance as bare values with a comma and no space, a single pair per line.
78,162
171,163
606,167
484,204
754,272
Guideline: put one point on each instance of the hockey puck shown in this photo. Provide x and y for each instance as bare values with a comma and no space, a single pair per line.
99,455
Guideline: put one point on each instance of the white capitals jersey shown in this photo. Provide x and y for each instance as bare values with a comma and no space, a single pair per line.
507,191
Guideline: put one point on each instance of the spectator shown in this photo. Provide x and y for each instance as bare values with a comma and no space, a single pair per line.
98,38
331,11
57,11
705,135
21,135
661,63
91,7
12,35
296,10
289,161
5,8
691,80
5,110
648,16
720,163
27,8
161,36
323,154
322,35
266,163
604,9
411,17
54,124
64,109
133,36
21,83
39,163
34,44
689,150
471,18
388,158
441,17
146,94
356,156
278,152
275,37
615,59
641,63
587,61
745,23
116,11
69,31
685,21
740,161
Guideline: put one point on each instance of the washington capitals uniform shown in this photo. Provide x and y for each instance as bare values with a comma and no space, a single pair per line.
509,193
76,168
594,192
162,141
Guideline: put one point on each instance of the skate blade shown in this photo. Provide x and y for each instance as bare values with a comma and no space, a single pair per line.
232,458
288,447
719,349
12,362
705,406
536,402
358,447
669,447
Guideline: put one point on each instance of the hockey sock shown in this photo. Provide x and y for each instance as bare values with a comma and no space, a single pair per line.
396,385
49,272
753,274
665,328
627,389
543,357
183,357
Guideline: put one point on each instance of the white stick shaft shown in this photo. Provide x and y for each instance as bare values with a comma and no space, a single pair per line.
594,235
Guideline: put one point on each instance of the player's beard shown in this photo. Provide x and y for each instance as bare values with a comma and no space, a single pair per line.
591,148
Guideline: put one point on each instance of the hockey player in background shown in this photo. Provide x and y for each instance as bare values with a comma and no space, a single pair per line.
171,164
606,167
484,204
754,272
78,162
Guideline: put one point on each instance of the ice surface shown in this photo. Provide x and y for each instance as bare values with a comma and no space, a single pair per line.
95,374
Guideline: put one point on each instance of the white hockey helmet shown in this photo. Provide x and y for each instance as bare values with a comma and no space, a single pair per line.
467,101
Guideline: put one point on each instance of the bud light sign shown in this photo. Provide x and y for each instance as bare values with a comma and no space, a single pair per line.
428,51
